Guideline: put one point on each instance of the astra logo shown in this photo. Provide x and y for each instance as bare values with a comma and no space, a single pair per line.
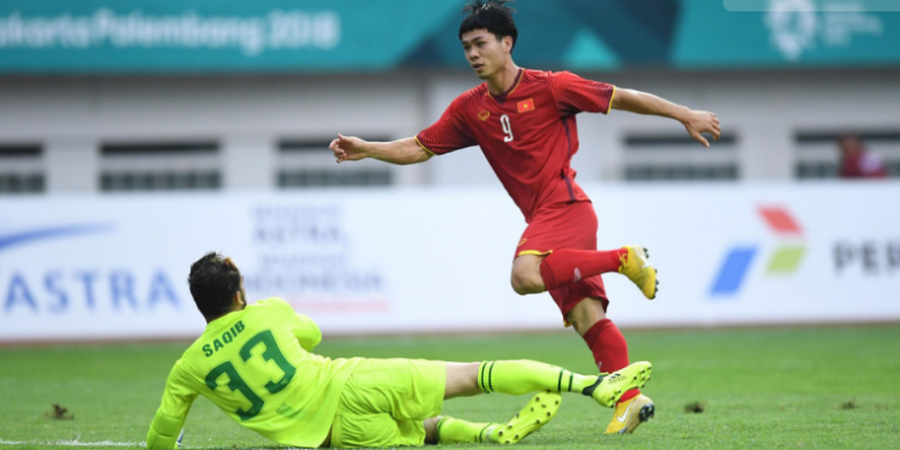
783,261
61,286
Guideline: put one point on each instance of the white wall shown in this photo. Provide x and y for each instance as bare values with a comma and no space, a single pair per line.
763,109
438,259
72,115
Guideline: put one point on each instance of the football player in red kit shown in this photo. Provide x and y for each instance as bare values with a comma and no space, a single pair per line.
524,122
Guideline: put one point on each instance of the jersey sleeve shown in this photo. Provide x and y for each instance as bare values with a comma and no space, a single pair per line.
449,133
176,403
573,94
306,331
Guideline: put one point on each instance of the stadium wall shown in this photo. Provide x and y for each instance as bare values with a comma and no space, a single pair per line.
432,260
762,112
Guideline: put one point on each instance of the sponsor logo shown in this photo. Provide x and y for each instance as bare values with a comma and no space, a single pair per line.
57,290
803,26
614,378
306,256
640,256
624,415
482,116
577,275
522,242
40,234
785,260
872,258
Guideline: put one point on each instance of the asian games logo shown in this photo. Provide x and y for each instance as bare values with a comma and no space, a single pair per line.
785,260
793,25
801,26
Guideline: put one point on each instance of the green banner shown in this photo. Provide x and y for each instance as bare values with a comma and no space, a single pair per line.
787,33
226,36
213,35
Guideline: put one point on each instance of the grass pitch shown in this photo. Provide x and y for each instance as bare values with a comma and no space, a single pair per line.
757,388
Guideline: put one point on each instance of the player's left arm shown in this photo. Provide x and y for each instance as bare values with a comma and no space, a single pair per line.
696,122
169,419
303,328
306,331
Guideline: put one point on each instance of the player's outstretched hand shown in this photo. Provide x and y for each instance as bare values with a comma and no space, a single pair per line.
699,122
348,148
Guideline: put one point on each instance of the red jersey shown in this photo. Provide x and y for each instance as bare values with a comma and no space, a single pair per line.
863,164
528,133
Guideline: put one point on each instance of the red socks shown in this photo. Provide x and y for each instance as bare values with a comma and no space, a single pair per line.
567,266
610,350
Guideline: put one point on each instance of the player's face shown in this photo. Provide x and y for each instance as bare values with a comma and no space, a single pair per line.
485,53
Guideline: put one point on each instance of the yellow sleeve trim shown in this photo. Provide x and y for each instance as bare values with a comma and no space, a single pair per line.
423,147
611,98
535,252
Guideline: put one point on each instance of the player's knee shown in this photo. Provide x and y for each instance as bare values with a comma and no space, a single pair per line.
524,283
584,315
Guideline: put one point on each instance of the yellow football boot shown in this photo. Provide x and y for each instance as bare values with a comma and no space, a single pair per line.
634,265
537,413
630,414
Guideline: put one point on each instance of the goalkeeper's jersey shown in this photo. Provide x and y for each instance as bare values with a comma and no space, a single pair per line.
256,365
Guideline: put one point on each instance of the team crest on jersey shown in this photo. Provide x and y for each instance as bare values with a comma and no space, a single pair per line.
525,106
484,115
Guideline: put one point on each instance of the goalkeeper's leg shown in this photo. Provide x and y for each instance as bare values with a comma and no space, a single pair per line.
524,376
538,412
521,377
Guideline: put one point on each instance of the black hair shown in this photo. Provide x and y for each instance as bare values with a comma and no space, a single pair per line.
491,15
213,281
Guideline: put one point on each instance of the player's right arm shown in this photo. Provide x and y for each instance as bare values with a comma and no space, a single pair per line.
401,152
449,133
169,419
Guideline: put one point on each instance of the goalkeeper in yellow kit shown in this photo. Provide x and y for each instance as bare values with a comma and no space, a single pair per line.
255,363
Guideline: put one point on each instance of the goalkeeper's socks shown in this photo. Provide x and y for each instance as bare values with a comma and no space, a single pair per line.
567,266
450,430
525,376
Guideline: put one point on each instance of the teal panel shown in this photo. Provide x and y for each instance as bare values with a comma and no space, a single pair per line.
786,33
227,36
209,35
588,51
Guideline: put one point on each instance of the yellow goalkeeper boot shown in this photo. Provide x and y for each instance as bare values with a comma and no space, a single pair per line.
609,388
537,413
634,265
630,414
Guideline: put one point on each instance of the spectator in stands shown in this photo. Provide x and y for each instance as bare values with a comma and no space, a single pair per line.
857,161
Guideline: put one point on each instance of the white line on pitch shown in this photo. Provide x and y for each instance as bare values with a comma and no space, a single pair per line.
76,443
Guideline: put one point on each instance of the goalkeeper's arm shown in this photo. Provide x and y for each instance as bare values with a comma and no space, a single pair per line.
169,419
307,332
304,329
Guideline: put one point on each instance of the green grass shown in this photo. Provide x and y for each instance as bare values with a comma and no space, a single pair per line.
760,388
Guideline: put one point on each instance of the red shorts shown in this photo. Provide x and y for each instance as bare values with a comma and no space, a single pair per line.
559,226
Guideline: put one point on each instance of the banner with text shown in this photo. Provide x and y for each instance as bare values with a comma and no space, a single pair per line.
438,260
267,36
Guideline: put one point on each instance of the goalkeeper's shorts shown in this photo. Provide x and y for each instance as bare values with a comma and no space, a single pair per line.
385,402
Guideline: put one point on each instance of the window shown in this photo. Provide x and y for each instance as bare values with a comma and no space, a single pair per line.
662,157
307,163
819,155
160,166
21,168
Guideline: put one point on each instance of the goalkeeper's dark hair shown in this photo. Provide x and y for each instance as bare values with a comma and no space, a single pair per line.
213,280
491,15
